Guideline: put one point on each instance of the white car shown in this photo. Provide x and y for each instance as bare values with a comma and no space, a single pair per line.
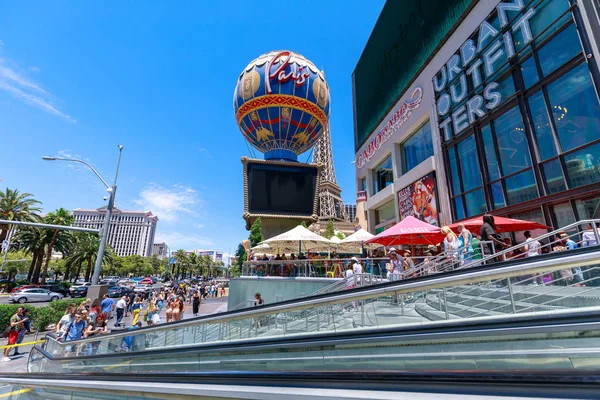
34,294
142,288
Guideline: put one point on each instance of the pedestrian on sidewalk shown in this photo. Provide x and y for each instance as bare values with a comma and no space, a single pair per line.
195,302
107,305
26,329
17,322
121,307
136,309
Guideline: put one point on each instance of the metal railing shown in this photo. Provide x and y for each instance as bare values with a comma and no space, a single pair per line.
397,303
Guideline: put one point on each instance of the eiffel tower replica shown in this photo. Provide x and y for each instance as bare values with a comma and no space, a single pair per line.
331,206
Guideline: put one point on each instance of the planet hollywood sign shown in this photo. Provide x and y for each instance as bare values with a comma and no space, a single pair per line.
483,51
391,126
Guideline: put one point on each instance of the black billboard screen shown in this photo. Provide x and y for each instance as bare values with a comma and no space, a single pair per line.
281,189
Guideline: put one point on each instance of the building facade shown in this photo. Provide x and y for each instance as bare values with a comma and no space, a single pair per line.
160,249
350,212
503,117
131,232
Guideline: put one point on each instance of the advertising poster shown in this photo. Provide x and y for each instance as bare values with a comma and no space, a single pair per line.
420,200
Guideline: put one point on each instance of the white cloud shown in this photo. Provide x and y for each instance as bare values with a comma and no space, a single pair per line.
19,86
34,69
198,226
177,240
169,203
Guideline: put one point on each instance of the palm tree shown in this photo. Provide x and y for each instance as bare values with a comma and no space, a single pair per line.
16,206
181,259
58,217
33,240
85,250
193,260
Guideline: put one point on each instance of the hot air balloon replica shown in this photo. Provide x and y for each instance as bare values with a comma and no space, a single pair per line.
281,104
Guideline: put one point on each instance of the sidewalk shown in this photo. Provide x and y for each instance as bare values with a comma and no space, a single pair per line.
19,363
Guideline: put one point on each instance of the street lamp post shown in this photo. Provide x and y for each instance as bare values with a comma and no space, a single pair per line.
112,190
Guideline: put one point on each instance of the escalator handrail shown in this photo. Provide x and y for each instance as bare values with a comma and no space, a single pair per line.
585,320
542,263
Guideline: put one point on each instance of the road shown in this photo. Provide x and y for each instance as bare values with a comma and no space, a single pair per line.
4,299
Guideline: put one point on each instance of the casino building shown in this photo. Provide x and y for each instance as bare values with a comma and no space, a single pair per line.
463,107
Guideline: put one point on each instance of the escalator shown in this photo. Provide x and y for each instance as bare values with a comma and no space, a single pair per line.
480,331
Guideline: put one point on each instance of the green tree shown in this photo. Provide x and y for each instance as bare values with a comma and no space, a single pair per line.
58,217
194,266
85,250
340,235
329,231
16,206
156,264
303,223
180,260
33,241
240,257
255,236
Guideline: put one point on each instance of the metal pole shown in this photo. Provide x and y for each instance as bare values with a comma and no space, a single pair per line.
106,227
512,299
6,247
445,304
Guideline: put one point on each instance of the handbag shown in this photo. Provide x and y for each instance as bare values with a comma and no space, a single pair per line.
155,319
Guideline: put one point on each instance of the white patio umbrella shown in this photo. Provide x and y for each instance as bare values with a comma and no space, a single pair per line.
356,241
300,237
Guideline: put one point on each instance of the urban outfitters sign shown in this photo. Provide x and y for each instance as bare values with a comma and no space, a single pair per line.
478,59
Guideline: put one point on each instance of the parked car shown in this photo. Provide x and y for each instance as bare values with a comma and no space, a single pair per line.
146,281
21,287
34,294
142,288
118,291
109,282
79,290
56,287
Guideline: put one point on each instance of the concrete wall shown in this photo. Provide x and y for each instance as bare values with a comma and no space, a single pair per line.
244,288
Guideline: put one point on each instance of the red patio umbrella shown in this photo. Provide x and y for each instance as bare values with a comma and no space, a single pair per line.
502,224
409,231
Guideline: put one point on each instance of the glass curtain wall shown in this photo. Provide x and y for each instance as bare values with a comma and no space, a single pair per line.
543,137
383,175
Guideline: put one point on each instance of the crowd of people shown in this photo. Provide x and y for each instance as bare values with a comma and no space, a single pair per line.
91,318
457,250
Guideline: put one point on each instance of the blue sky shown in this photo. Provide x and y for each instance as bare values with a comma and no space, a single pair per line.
78,78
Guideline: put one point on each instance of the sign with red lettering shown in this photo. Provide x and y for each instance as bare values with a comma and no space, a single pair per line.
296,74
393,124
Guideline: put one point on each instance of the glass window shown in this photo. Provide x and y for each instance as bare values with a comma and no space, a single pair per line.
535,215
417,148
583,166
363,184
385,213
469,164
589,208
563,214
383,175
521,187
545,14
559,50
459,207
490,153
553,175
475,202
512,143
453,164
575,108
497,195
506,87
541,126
530,73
